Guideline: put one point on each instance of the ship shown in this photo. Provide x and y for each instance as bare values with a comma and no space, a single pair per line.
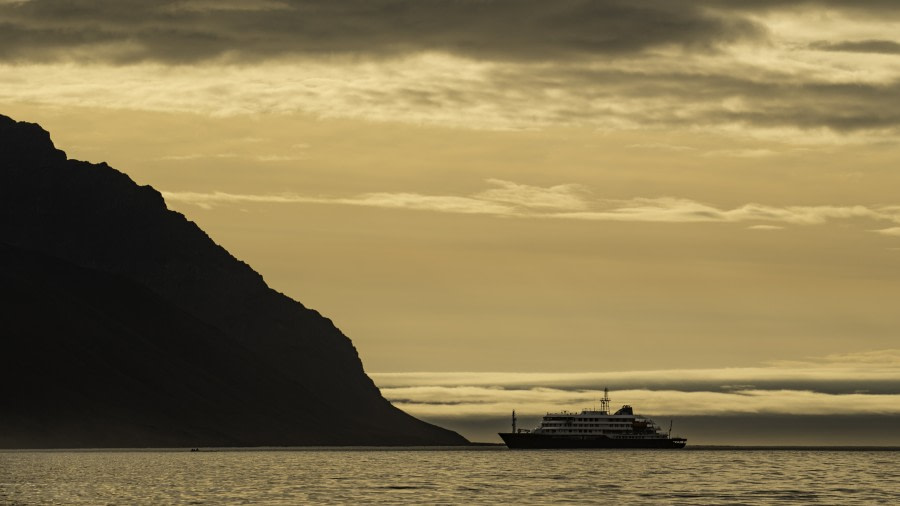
593,429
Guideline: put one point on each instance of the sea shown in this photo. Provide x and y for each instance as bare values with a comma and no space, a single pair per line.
479,475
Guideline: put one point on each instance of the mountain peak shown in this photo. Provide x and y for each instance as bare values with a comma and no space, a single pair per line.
26,142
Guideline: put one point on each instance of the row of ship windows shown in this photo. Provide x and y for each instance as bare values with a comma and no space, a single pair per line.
555,424
577,430
591,419
600,432
569,419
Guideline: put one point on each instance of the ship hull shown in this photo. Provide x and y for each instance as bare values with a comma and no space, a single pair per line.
531,441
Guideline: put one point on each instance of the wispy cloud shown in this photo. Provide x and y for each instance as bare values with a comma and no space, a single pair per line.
880,365
198,156
419,202
661,146
504,199
224,156
781,99
564,196
210,200
412,201
211,6
741,153
894,231
860,46
889,358
569,201
676,210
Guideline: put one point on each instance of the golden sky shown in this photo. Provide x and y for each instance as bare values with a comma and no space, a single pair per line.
515,186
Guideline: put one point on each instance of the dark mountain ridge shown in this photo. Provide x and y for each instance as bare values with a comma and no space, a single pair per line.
124,324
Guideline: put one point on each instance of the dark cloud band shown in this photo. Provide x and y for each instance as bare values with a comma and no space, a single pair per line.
601,62
860,46
185,31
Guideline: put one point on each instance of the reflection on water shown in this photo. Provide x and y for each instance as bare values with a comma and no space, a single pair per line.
440,476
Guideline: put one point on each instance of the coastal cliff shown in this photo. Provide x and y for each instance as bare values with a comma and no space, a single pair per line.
125,325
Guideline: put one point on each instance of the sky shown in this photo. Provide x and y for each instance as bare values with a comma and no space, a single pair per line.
515,203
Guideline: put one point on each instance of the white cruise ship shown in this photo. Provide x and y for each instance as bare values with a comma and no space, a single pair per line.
593,429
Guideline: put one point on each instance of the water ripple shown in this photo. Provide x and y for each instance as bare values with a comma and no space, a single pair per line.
449,477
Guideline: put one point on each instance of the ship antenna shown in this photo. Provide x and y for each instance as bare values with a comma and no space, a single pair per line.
514,421
604,402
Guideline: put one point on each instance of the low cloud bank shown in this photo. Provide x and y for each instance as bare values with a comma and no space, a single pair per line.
470,401
859,383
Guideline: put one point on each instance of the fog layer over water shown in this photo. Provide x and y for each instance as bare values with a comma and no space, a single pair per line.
490,475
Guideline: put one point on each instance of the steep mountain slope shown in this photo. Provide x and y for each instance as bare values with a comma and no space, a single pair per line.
124,324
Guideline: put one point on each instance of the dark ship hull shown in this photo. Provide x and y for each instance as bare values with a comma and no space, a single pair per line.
530,441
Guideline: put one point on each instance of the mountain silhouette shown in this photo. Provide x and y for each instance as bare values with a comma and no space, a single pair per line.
124,325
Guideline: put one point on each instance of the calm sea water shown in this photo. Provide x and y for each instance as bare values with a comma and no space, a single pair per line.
446,476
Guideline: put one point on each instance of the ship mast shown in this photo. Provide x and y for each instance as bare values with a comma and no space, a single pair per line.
604,402
514,421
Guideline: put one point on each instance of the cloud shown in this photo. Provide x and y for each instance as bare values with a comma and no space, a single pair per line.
198,156
668,209
865,8
732,67
505,199
701,93
192,31
564,196
225,5
210,200
860,46
873,366
847,384
570,202
765,227
661,146
741,153
440,203
894,231
889,358
480,401
411,201
188,32
213,156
